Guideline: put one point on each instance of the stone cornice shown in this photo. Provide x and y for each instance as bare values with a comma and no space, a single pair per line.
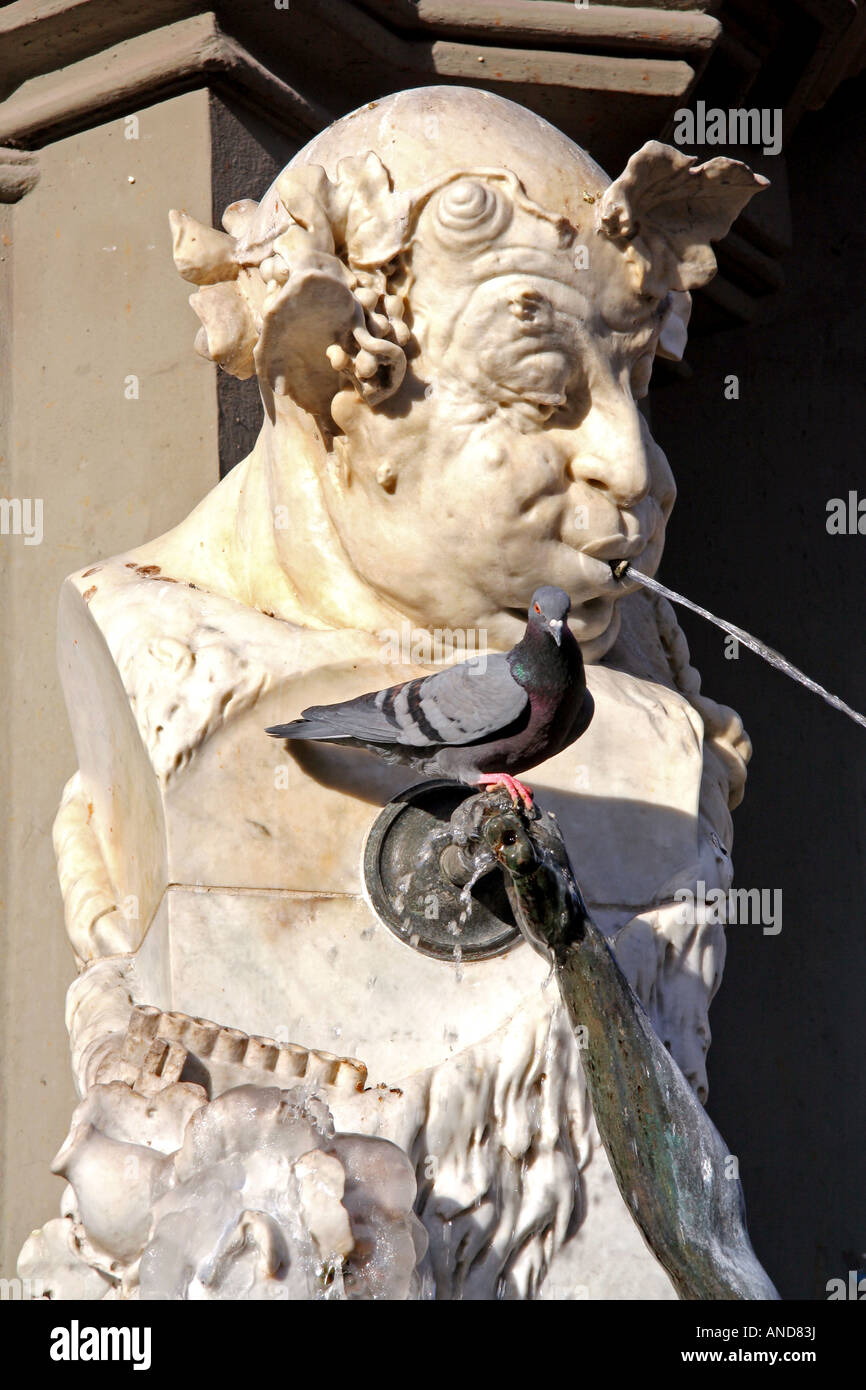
69,64
19,172
145,69
683,31
610,76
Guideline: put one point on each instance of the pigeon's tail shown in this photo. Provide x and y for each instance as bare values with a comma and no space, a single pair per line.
308,728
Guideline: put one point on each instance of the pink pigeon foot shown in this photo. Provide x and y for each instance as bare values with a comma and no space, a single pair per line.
516,790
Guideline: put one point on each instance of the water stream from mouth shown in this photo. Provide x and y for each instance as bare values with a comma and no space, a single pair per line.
775,658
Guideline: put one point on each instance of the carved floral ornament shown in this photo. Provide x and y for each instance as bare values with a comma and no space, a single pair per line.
312,283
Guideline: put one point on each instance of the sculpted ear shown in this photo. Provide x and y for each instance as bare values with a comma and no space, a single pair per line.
665,209
320,325
314,310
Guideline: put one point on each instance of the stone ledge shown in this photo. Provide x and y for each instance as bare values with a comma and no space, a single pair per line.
144,70
19,173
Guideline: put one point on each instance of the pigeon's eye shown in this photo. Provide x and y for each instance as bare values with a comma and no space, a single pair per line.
537,609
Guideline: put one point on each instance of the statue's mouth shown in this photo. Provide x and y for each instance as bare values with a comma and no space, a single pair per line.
614,548
609,573
606,560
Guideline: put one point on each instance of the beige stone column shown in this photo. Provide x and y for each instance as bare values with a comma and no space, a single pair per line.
110,423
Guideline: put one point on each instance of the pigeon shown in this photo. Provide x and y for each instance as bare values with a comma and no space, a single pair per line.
477,722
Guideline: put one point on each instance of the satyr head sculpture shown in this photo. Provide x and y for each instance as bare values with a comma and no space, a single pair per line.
458,358
452,313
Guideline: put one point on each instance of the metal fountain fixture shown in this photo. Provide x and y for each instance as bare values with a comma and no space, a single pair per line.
462,876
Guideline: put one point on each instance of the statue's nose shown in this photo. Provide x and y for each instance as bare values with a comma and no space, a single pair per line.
610,450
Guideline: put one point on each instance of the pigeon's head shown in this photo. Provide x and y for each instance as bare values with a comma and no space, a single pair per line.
548,611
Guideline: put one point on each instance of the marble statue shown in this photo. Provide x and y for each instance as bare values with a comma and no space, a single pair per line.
452,313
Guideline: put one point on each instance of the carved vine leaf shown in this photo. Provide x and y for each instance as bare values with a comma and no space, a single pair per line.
308,196
311,298
202,255
231,321
357,216
665,209
313,310
377,220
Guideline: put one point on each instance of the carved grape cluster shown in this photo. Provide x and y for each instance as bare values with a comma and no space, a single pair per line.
299,287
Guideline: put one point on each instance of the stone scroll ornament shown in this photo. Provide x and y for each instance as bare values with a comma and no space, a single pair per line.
206,1162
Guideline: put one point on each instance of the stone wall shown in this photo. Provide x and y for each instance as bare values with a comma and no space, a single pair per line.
95,301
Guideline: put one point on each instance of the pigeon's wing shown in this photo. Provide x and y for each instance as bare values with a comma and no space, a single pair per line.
469,703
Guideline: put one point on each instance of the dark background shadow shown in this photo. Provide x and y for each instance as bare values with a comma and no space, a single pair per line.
748,540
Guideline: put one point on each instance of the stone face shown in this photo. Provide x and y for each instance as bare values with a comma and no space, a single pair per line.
450,420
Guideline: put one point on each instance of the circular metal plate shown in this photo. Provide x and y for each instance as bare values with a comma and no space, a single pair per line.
410,893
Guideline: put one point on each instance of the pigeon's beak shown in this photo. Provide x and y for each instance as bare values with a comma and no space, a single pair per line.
555,625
